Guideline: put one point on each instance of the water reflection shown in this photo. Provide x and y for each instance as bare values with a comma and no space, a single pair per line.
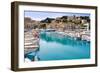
62,39
33,55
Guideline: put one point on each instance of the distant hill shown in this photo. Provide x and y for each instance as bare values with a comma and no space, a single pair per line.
62,22
47,20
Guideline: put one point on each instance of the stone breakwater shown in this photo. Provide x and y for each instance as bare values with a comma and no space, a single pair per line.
31,41
83,35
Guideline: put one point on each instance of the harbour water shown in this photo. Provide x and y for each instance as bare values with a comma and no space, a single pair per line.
54,46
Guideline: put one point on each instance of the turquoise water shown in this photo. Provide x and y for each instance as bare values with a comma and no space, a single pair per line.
54,46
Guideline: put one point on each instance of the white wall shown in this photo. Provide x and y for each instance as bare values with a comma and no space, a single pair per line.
5,32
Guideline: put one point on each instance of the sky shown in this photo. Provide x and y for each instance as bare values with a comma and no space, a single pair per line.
40,15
